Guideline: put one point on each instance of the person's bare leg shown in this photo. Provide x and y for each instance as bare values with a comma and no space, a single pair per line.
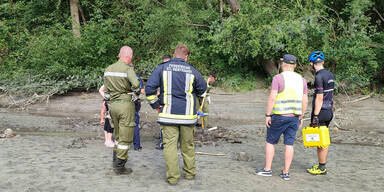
288,156
109,136
322,155
105,137
269,153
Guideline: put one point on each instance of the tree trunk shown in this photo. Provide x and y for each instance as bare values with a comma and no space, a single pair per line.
235,6
270,67
221,9
75,17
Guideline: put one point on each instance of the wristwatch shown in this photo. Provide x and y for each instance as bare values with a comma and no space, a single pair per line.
266,115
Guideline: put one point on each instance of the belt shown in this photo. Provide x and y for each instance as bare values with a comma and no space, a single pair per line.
133,98
117,100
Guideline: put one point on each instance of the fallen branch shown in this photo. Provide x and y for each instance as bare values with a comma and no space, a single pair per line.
212,154
375,45
197,25
211,129
13,101
345,92
359,99
337,125
23,103
159,3
381,17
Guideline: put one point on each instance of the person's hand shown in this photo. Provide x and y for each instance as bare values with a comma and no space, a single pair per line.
315,121
158,109
102,121
268,121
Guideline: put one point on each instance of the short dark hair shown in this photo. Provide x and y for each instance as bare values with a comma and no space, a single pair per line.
166,57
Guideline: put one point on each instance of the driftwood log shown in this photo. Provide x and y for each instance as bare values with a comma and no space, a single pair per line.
359,99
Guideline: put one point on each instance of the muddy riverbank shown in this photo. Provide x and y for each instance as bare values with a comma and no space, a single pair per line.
60,148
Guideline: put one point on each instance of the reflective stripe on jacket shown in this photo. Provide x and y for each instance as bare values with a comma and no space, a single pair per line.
120,81
179,84
290,100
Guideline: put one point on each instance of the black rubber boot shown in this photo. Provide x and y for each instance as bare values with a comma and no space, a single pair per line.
119,167
114,156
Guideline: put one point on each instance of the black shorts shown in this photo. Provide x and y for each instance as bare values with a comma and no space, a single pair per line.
325,117
107,126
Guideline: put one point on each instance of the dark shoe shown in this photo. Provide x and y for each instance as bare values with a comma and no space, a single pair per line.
160,146
285,176
172,183
123,171
119,163
138,149
119,167
263,172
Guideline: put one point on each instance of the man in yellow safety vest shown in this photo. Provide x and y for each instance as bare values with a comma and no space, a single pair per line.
287,104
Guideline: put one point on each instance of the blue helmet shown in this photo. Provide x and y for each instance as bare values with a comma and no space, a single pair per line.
316,56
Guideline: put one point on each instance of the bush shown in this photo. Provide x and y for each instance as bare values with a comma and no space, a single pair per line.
37,47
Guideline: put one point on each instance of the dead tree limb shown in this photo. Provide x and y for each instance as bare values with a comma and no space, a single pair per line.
82,14
381,17
212,154
359,99
197,25
159,3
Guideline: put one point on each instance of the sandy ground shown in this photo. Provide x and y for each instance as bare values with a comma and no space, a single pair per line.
60,148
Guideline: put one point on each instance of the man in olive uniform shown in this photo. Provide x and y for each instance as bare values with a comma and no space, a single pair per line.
121,87
207,102
179,84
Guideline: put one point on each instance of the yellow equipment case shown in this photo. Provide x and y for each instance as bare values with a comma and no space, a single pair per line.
316,137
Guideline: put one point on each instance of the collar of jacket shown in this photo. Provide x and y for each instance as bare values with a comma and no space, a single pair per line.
177,60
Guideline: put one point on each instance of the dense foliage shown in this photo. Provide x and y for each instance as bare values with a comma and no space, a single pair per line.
39,54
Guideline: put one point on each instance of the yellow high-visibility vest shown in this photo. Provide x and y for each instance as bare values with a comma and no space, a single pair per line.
290,100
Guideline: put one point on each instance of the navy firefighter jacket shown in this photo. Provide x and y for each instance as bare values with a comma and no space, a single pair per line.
179,84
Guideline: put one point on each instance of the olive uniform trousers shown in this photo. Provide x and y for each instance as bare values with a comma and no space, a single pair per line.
123,118
171,134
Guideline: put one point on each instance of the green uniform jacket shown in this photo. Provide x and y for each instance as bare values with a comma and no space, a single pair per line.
119,80
209,87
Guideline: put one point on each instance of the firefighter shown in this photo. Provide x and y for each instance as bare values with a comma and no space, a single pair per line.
180,84
121,89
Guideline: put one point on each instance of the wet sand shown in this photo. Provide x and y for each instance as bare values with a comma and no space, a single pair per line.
60,148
